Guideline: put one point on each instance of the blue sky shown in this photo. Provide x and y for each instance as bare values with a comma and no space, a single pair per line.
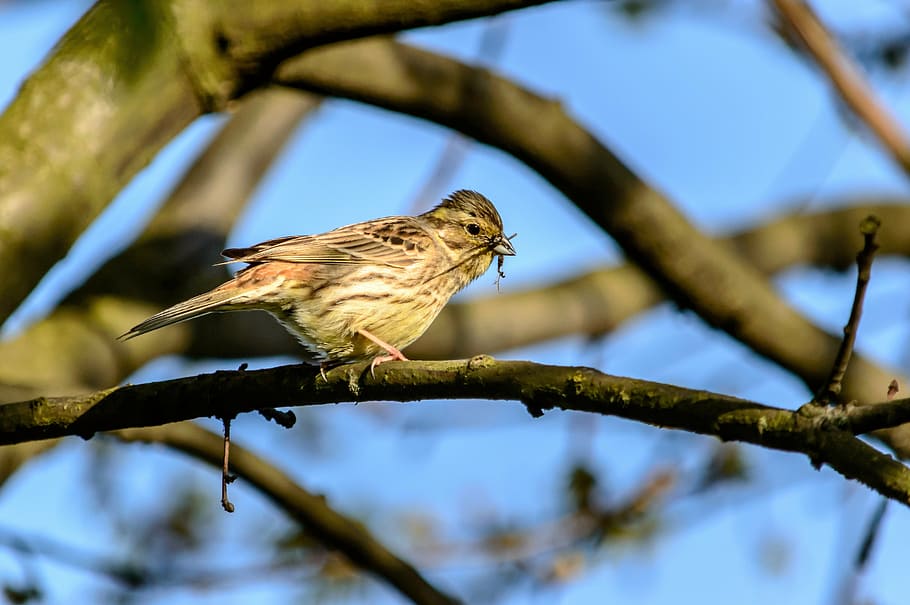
705,107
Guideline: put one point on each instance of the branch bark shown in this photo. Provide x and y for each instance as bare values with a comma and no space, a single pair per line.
686,264
75,348
128,77
697,272
824,436
592,304
846,77
346,535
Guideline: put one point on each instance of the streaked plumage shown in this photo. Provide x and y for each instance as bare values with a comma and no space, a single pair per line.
364,290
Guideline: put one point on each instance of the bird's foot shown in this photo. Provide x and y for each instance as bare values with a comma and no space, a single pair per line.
384,358
393,353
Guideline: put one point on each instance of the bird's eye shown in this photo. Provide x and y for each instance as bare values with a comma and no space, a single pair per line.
473,228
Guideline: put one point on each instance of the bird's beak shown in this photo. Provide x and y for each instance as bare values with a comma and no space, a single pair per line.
504,247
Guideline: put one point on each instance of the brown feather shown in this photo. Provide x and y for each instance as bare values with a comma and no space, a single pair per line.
361,290
392,241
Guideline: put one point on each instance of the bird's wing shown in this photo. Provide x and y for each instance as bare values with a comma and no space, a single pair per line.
394,241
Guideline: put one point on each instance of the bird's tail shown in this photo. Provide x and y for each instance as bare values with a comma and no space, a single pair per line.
210,302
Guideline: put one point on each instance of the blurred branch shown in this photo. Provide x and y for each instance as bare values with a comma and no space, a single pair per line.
110,95
586,526
333,530
847,591
597,302
123,572
128,77
156,573
695,271
256,36
825,435
492,43
13,457
797,16
591,304
75,347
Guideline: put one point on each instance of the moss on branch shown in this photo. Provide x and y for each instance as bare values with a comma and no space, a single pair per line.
826,436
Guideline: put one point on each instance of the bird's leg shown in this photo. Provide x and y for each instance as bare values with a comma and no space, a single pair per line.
393,353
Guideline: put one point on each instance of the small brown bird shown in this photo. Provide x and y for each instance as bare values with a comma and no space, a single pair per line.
360,291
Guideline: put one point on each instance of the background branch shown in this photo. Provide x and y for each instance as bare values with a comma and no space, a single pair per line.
127,78
75,348
798,17
221,57
591,304
332,529
696,272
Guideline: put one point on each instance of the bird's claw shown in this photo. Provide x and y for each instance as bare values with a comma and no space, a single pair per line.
393,353
397,356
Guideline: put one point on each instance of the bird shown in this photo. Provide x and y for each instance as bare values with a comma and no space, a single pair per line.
362,291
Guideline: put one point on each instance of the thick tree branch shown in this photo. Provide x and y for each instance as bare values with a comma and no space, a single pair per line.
256,36
698,273
127,78
75,348
332,529
539,387
113,92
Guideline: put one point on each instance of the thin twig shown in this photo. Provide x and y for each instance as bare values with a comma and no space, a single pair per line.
226,476
831,390
846,77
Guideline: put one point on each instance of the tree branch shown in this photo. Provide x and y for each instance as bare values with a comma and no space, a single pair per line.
128,77
591,304
257,35
539,387
696,272
833,386
846,77
75,347
332,529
